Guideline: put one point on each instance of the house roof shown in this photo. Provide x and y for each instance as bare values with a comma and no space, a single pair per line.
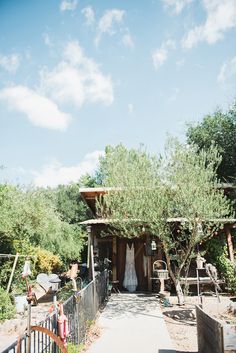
89,195
169,220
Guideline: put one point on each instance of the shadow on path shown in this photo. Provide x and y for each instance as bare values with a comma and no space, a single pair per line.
173,351
186,316
131,305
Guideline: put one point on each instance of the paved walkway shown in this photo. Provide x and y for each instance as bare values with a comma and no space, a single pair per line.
132,323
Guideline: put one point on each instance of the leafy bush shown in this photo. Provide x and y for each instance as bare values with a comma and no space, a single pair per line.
217,250
7,309
47,261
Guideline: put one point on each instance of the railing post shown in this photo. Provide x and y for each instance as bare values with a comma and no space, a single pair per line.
77,299
28,346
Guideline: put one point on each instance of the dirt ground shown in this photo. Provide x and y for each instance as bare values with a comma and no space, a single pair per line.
181,320
10,330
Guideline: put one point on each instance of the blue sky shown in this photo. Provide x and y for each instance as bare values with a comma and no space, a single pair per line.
78,75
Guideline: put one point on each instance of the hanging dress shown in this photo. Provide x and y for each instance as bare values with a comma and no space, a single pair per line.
130,279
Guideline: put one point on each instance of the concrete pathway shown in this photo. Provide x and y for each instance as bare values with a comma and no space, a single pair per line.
132,323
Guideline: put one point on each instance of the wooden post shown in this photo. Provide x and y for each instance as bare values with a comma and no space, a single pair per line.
12,273
230,244
149,273
93,278
92,262
88,252
114,269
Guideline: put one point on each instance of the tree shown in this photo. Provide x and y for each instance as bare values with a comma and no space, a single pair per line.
219,129
179,188
67,202
72,210
30,221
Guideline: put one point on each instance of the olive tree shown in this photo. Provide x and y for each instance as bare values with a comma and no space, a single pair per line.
176,197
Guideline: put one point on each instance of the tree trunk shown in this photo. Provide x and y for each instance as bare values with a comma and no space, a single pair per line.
175,278
179,292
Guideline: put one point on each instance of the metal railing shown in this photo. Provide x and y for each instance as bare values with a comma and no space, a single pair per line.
81,310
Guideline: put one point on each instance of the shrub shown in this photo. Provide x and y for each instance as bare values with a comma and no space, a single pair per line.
7,309
219,257
47,261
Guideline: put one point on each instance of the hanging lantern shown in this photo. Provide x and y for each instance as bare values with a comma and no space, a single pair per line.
26,270
153,245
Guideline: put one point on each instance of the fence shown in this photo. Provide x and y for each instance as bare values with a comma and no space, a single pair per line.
80,309
213,335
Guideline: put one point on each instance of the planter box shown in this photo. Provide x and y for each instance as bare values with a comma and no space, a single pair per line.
213,335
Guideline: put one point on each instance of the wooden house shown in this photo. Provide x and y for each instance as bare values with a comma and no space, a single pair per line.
146,249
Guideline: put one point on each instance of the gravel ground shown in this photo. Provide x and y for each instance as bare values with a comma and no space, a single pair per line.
181,320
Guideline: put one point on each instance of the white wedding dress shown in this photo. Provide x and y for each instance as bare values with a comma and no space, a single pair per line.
130,280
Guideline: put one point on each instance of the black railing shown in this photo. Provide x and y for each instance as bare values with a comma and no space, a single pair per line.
81,310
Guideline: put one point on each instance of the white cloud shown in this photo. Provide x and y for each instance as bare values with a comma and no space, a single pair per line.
10,63
227,71
68,5
128,40
159,56
107,22
89,15
77,79
39,110
169,44
55,173
176,5
221,17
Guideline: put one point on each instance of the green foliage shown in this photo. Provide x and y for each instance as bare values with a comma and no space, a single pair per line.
89,181
65,292
46,261
72,348
31,217
68,202
36,219
218,254
134,176
152,190
219,129
7,309
75,348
